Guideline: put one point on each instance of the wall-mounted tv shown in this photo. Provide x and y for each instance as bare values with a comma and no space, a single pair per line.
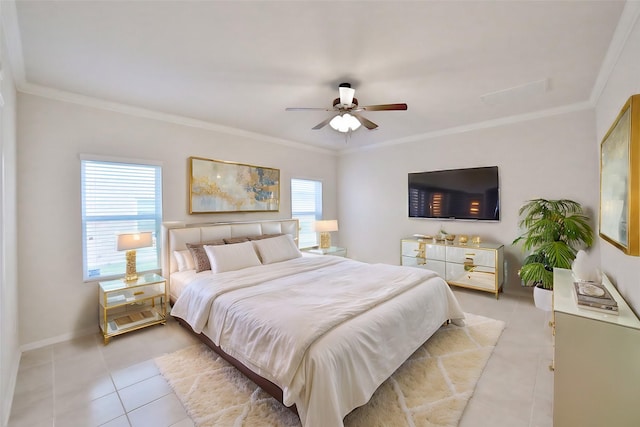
470,194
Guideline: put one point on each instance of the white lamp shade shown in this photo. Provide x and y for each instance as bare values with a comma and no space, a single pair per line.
326,225
346,95
128,241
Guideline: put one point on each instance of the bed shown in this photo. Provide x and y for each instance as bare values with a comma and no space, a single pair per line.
319,333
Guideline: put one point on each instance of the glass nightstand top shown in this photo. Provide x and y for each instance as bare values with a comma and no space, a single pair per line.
144,279
327,251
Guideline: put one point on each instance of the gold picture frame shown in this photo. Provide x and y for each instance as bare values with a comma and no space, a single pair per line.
620,180
217,186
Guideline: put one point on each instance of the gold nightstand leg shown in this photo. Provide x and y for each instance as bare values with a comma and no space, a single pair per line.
106,340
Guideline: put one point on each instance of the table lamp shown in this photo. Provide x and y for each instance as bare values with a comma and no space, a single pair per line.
130,242
324,228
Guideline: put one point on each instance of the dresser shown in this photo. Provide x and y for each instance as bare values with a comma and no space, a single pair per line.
474,266
596,361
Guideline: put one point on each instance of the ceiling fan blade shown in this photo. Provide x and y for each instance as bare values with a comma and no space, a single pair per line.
322,123
308,109
365,122
384,107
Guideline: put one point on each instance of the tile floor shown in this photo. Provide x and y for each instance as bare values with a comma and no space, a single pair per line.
82,383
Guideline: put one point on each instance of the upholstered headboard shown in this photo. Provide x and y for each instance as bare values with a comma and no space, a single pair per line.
175,236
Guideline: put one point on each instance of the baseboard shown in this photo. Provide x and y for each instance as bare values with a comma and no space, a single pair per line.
8,398
58,339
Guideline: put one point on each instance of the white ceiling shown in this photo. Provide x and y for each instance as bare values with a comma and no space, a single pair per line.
239,64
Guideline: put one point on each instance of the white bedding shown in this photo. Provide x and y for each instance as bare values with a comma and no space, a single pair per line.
316,326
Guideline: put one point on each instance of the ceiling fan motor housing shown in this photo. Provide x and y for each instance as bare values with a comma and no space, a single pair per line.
337,103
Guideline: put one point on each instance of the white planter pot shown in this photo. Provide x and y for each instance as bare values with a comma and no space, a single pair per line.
542,298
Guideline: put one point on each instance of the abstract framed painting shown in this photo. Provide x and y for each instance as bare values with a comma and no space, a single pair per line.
217,186
620,180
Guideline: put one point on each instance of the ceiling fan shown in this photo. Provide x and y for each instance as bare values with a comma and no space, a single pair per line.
347,115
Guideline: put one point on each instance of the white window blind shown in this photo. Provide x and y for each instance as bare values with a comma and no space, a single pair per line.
306,206
118,198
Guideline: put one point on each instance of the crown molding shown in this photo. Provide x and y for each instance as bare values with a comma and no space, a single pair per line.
625,26
478,126
11,33
88,101
628,19
8,14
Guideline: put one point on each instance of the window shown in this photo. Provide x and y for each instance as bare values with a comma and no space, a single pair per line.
118,197
306,206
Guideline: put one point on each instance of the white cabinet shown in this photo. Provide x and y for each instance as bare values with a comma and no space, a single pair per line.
475,266
596,361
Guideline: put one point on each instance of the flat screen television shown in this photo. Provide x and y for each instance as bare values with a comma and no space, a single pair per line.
469,194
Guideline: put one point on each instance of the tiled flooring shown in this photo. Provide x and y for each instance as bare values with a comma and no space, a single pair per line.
82,383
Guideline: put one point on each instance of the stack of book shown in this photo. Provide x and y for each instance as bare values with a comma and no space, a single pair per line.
594,296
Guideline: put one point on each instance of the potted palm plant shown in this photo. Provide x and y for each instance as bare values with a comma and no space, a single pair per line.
554,231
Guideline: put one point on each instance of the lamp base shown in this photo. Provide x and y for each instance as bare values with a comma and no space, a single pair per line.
131,275
325,240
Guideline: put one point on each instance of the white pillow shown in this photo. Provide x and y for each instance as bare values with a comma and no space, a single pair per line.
231,257
276,249
185,260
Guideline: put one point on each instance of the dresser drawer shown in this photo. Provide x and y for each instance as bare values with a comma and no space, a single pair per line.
437,266
471,255
415,248
478,276
129,295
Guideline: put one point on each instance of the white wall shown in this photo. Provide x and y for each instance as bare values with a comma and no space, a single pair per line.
551,157
54,303
624,81
9,345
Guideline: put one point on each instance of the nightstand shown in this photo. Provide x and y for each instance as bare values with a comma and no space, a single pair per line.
333,250
128,306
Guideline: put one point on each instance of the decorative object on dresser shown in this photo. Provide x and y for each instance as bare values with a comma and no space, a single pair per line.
594,296
554,231
620,180
129,306
130,242
595,360
218,186
325,227
466,265
590,293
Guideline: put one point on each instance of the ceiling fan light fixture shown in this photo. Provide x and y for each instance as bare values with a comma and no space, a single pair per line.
346,95
345,123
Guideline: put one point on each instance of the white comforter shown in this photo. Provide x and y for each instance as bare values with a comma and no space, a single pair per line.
274,319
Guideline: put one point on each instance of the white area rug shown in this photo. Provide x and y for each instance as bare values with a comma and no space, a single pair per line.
431,388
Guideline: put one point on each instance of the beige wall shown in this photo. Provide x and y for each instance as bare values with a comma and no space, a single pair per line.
552,157
54,302
624,81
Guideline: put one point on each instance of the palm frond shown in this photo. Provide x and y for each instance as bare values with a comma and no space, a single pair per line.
554,230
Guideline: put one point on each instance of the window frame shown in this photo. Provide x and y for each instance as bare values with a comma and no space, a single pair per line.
156,216
306,226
